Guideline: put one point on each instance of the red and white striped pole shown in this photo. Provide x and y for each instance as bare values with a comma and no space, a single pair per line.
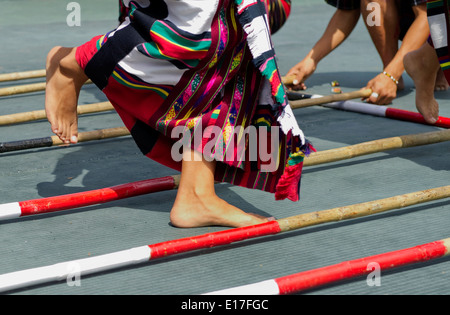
61,271
51,204
374,110
388,112
311,279
142,254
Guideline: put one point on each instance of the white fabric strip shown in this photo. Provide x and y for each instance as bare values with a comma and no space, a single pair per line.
256,31
70,269
193,16
268,287
10,211
288,122
438,30
150,70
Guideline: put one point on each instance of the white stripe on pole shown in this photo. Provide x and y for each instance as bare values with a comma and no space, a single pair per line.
268,287
10,211
364,108
69,270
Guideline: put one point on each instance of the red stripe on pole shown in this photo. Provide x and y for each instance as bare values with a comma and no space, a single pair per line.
401,114
213,239
354,268
82,199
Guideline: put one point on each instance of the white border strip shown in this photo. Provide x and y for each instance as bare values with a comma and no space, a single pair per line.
438,30
10,211
365,108
67,270
268,287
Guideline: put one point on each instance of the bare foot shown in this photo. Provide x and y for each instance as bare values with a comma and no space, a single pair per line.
441,82
64,81
422,65
195,211
197,204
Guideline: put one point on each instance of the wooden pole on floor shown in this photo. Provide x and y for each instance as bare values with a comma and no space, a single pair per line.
55,141
23,75
40,114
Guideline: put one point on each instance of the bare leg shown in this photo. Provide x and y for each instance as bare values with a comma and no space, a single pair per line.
385,36
198,205
423,66
64,81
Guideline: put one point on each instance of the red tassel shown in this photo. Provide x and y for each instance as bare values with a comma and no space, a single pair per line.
288,185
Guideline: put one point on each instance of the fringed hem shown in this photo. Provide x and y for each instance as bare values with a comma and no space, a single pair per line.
253,19
288,186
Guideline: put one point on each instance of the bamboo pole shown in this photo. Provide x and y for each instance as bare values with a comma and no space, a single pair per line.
312,279
375,146
97,135
372,109
321,157
15,76
40,114
288,80
21,89
20,209
363,209
55,141
330,98
26,88
142,254
312,100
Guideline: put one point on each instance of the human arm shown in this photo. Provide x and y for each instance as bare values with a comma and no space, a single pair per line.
339,28
384,85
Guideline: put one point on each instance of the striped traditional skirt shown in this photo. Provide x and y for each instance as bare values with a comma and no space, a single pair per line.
203,73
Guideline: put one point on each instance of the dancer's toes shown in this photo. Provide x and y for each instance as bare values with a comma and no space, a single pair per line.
423,67
429,108
71,134
74,139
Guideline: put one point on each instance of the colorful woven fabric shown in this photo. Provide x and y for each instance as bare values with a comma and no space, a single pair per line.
169,79
279,11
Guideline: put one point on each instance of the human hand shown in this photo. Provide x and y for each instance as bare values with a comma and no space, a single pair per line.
301,72
384,90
